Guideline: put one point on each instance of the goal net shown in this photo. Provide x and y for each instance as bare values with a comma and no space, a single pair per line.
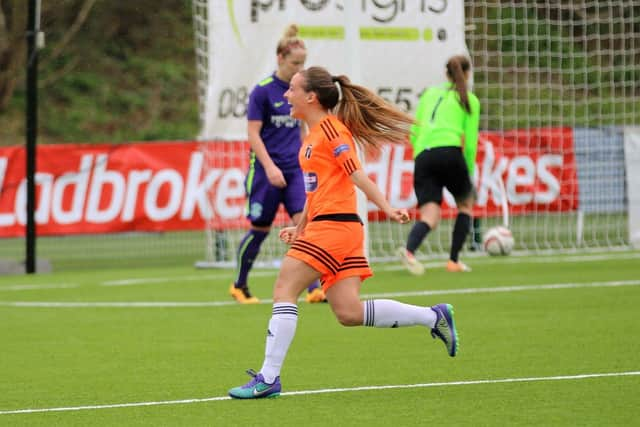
557,82
570,69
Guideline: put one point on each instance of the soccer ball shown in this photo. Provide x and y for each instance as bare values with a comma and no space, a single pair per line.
498,241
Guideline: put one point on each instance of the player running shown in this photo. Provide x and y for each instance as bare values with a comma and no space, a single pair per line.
328,243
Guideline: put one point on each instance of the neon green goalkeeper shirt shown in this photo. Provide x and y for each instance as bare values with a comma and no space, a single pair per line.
441,121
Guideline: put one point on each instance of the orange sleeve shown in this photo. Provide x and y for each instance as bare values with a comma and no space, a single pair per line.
345,153
341,144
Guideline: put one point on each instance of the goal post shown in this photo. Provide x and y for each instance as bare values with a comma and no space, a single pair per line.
557,83
373,43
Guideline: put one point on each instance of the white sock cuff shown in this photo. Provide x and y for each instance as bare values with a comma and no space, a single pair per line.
369,313
285,310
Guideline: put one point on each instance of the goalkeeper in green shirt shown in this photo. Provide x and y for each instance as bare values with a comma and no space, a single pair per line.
445,141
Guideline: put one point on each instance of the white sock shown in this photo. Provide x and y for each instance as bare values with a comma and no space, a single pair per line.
386,313
282,328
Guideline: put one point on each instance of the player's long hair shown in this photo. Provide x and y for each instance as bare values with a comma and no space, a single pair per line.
289,41
457,66
371,119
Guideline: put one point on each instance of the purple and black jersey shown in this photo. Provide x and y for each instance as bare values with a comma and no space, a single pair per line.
281,136
280,132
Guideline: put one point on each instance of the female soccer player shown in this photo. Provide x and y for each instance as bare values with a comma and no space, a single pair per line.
328,243
274,137
445,141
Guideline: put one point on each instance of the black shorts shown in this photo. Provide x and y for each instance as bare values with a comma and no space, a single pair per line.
441,167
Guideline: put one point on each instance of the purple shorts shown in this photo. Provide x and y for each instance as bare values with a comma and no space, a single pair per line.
263,199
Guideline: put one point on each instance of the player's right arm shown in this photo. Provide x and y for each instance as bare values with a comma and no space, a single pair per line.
417,125
289,234
257,114
274,174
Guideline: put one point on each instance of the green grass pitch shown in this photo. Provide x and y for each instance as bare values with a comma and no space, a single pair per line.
544,341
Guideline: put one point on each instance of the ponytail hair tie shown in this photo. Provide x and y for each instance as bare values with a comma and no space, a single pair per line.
337,83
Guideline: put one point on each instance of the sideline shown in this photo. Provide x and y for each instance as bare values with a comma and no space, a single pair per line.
171,304
228,274
32,287
331,390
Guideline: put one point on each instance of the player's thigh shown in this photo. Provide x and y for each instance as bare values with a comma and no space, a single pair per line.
293,278
428,192
427,183
294,195
458,181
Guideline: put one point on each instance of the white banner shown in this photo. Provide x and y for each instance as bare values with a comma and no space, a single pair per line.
632,166
394,47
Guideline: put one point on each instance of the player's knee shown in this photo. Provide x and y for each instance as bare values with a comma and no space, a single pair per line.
348,317
283,291
465,203
465,207
265,228
431,222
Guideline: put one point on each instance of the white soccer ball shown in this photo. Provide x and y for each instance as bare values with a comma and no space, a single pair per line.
498,241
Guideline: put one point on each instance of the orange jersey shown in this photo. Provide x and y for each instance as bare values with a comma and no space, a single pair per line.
328,157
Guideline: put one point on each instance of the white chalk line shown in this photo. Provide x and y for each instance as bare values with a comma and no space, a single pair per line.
174,304
227,274
329,390
14,288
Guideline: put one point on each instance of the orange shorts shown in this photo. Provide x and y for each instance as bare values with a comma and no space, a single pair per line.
333,248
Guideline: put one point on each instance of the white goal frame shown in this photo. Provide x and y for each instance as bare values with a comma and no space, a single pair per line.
567,66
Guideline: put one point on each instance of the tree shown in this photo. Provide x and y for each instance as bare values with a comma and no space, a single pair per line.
13,24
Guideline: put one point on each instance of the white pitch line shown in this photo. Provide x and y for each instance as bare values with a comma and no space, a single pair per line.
115,304
31,287
169,304
513,288
524,259
224,275
227,274
331,390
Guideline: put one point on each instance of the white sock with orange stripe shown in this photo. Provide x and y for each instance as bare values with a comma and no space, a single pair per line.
386,313
282,328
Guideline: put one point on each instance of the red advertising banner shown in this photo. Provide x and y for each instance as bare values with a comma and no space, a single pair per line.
167,186
535,168
115,188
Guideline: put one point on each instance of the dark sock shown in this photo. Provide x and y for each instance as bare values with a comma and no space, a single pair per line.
459,235
247,253
417,234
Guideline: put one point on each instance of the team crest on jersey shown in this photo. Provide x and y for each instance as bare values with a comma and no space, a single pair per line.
310,181
339,149
307,152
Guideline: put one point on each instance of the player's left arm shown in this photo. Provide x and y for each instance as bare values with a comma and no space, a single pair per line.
417,126
472,123
343,149
370,189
